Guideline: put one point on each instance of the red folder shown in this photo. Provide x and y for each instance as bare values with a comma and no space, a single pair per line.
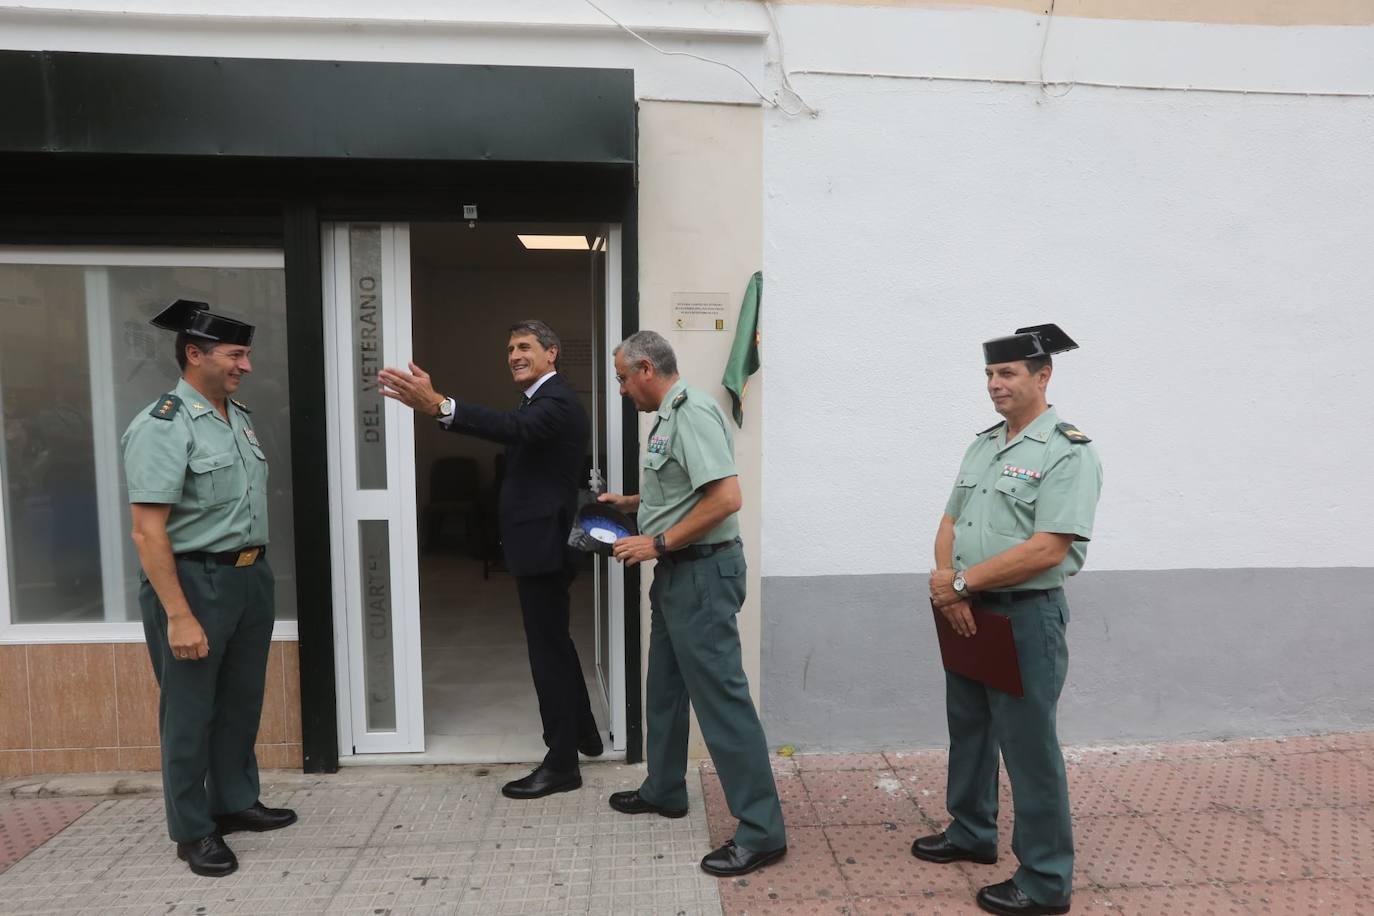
989,655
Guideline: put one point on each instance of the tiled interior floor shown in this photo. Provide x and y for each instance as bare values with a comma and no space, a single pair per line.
1243,827
480,703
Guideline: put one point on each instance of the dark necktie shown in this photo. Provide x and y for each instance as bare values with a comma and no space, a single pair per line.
524,401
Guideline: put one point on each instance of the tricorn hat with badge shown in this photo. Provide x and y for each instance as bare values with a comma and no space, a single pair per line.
1035,342
194,319
598,526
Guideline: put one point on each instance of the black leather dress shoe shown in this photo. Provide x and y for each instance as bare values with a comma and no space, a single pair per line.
208,856
591,747
938,849
1009,900
543,781
730,861
257,819
631,803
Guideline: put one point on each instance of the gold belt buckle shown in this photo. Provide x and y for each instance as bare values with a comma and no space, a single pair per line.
248,557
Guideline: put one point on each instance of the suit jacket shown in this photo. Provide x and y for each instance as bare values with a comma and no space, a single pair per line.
546,448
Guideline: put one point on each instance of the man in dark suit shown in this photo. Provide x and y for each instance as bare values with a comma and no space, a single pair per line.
546,440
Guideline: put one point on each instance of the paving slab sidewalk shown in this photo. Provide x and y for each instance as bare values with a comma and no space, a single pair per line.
1240,827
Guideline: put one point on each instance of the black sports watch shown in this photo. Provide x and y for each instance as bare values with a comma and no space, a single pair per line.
660,544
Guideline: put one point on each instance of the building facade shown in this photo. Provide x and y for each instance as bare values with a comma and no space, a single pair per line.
1186,193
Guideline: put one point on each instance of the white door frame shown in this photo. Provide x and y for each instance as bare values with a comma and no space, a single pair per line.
615,482
396,504
354,618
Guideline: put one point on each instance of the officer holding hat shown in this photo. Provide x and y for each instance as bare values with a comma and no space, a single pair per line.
197,481
687,509
1016,525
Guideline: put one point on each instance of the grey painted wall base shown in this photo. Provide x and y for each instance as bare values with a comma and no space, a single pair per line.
851,662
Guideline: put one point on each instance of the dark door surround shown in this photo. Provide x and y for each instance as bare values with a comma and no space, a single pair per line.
99,149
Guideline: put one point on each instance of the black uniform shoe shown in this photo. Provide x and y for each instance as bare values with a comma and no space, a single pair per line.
591,747
1009,900
208,856
937,848
543,781
631,803
730,861
257,819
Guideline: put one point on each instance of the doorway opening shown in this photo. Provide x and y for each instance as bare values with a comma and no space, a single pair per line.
432,661
469,285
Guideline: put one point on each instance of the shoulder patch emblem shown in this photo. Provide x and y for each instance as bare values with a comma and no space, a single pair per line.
679,400
166,408
241,406
1072,433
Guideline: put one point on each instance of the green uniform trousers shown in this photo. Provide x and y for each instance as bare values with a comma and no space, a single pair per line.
983,720
209,708
694,655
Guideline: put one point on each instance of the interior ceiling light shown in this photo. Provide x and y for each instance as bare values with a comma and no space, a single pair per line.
554,242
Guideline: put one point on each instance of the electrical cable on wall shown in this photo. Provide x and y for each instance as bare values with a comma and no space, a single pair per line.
782,62
1044,46
772,102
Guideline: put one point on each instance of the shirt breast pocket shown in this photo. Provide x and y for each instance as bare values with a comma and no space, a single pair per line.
651,488
215,479
963,489
1014,512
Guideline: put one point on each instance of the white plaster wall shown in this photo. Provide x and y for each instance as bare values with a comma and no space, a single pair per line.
1008,44
1208,250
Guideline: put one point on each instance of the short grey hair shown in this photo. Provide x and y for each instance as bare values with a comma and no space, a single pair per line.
651,346
533,327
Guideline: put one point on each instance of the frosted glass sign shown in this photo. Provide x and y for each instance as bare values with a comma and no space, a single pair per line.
379,668
365,280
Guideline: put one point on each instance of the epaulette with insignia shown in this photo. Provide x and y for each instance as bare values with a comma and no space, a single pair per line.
677,401
166,407
241,406
1072,433
997,425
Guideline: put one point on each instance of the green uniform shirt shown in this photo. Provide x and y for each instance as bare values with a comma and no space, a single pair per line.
211,471
690,445
1043,480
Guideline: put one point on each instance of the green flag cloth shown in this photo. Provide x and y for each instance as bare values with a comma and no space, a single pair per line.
744,354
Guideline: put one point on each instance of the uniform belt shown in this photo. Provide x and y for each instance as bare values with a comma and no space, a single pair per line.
1009,597
696,551
245,557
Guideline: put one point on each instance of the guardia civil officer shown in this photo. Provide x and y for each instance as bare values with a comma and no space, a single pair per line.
197,481
687,505
1016,525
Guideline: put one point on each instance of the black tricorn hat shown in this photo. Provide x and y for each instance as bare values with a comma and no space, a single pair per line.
1034,342
598,526
194,319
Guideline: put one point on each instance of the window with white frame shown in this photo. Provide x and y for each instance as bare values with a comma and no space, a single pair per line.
78,360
